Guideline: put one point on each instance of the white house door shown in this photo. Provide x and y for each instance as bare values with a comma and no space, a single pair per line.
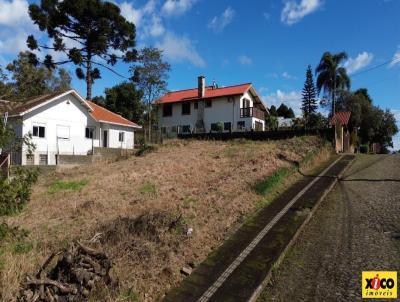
105,138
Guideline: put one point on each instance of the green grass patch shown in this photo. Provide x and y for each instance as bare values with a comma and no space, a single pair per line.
61,185
267,185
147,188
188,201
129,295
21,247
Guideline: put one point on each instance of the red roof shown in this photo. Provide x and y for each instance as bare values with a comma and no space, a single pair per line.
343,117
101,114
210,92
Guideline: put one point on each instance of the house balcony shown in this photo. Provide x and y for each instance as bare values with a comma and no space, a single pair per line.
252,112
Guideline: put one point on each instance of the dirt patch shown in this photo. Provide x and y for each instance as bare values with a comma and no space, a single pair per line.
209,186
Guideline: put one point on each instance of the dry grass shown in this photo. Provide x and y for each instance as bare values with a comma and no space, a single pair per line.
143,207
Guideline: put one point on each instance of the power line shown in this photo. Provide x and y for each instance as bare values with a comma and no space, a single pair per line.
394,60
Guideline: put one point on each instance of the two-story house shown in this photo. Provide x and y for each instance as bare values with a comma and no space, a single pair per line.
206,108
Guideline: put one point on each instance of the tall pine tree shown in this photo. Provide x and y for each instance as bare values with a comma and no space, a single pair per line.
309,103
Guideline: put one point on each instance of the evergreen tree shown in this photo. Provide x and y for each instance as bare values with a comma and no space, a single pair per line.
272,111
290,113
309,103
90,33
282,110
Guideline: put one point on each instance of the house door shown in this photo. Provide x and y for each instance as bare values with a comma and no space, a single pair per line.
105,138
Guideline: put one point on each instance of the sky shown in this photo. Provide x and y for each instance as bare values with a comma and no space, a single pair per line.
268,43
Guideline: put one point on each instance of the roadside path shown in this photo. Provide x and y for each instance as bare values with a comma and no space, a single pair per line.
357,228
241,264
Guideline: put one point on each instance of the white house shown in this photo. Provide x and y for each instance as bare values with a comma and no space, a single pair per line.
66,124
201,109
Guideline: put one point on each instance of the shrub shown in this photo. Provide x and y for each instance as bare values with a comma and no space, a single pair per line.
145,149
364,148
15,192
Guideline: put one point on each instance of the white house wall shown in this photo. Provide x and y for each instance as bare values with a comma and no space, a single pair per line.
220,111
66,112
68,118
113,136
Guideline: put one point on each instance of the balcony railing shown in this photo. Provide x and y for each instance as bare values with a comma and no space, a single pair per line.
252,112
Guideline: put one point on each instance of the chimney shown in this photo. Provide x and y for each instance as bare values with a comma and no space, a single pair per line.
201,85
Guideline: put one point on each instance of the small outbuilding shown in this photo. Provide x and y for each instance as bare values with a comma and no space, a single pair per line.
340,121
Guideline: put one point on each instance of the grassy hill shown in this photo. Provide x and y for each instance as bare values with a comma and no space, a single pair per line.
139,210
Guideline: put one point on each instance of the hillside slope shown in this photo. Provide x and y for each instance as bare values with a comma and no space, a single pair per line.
140,210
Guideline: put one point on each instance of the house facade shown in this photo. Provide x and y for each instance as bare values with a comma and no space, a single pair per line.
211,108
66,124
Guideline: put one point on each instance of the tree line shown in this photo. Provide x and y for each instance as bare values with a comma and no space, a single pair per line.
333,84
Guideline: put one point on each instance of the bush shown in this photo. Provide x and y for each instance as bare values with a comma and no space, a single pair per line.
145,149
15,192
364,148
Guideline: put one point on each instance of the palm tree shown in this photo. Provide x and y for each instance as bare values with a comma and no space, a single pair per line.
332,76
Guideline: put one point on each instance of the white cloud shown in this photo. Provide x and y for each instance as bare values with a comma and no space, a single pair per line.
288,76
291,99
177,7
294,11
266,16
362,60
135,15
396,59
13,12
155,27
15,25
180,49
218,23
244,60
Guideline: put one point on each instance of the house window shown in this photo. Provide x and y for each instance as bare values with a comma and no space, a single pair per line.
39,131
42,159
62,132
163,130
121,136
208,103
30,159
214,127
186,129
196,105
89,132
186,108
227,126
241,125
167,110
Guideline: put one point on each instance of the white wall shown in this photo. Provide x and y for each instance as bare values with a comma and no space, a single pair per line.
113,136
67,113
220,111
69,118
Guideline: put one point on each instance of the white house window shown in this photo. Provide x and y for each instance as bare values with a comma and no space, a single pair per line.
89,132
38,131
227,126
186,129
42,159
208,103
241,125
121,136
167,110
186,108
63,132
